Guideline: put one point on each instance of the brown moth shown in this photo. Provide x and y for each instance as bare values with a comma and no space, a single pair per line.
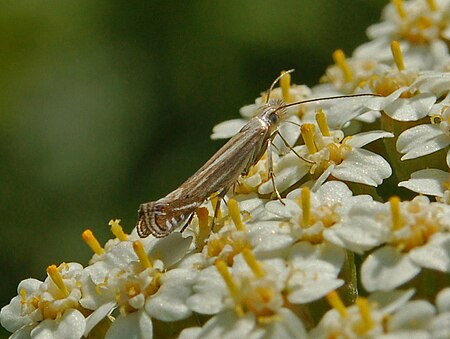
220,173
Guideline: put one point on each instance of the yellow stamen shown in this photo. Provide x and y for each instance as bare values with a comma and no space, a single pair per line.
305,201
141,254
155,284
214,201
228,278
117,230
321,119
233,211
254,264
432,5
398,4
398,56
204,230
341,62
285,84
92,242
308,131
397,221
57,279
364,311
336,302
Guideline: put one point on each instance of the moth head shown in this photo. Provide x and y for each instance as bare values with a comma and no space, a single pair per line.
274,112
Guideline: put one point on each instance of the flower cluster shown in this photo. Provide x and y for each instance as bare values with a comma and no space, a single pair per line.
335,245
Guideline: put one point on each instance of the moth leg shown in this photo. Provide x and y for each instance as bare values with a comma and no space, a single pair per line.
291,148
187,223
271,172
220,197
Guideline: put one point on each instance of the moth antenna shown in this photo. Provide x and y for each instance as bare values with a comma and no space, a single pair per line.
327,98
275,82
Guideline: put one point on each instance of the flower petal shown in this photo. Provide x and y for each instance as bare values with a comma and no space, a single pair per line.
227,129
410,109
71,325
386,269
421,140
362,139
362,166
434,255
133,325
427,181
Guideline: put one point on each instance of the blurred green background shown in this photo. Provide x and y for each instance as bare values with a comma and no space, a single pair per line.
107,104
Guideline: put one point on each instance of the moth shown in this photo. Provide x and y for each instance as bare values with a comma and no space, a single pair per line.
221,172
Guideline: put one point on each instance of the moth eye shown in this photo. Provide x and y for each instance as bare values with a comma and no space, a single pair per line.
273,118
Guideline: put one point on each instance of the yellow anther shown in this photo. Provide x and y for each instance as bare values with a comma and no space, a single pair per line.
233,211
432,5
117,230
321,119
308,131
222,267
57,279
364,311
204,230
336,302
398,56
23,296
214,201
92,242
141,254
340,60
305,202
285,84
397,221
398,4
254,264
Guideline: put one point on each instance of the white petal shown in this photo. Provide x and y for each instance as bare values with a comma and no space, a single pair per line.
227,129
447,158
190,333
439,326
427,181
70,326
169,303
171,248
386,269
227,325
362,139
378,103
323,177
284,178
134,325
390,301
94,318
312,290
411,109
290,132
434,255
414,315
209,292
288,326
362,166
443,300
23,333
421,140
333,192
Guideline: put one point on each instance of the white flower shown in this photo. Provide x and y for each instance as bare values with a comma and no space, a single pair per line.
427,138
50,309
367,318
140,277
247,302
420,26
414,234
430,181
